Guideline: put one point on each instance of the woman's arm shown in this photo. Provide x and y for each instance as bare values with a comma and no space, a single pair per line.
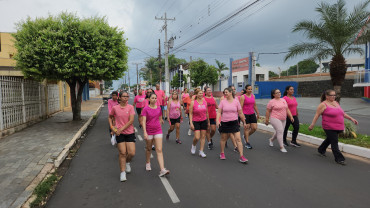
256,110
144,127
191,115
320,109
350,118
267,117
289,115
130,122
168,110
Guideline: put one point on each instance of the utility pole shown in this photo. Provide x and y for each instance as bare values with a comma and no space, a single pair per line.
160,62
129,83
166,51
137,77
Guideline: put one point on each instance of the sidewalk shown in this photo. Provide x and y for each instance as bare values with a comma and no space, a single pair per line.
350,105
26,154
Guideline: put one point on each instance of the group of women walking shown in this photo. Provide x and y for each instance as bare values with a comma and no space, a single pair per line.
205,115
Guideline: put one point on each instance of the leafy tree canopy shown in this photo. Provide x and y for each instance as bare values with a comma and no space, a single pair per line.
201,73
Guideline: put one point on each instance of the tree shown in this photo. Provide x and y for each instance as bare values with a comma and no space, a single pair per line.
108,84
71,49
332,36
201,73
175,82
304,67
273,74
220,67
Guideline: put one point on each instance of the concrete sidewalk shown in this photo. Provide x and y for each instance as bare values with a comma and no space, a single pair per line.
26,154
355,106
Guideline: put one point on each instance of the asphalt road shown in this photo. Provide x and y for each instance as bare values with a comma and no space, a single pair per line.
306,116
298,178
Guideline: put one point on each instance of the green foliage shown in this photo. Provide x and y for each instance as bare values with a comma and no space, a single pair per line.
108,84
66,47
175,82
273,74
201,73
304,67
350,130
43,190
124,86
220,67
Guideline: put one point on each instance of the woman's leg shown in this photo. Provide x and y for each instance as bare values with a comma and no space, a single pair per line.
196,137
158,150
332,136
202,139
279,130
122,155
253,128
233,140
130,146
224,137
287,124
148,149
213,130
239,142
295,129
247,132
172,127
177,125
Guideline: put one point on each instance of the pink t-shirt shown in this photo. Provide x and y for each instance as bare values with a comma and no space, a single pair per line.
278,108
199,111
333,118
211,105
139,100
292,105
248,106
112,103
160,95
174,110
153,125
122,116
185,95
229,110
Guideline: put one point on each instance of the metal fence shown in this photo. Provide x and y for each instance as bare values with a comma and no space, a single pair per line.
362,78
22,101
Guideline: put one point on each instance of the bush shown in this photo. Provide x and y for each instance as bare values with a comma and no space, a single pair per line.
350,130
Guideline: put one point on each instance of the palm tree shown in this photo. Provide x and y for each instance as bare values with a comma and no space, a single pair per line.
332,36
220,67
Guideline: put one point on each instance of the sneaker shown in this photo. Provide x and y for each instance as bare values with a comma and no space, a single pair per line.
248,146
201,154
148,167
222,156
167,137
193,149
153,147
242,159
270,143
210,146
163,172
178,141
341,162
236,149
128,168
283,150
189,132
285,143
295,144
123,176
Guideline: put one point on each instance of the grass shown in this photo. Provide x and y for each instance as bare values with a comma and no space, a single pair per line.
43,190
361,140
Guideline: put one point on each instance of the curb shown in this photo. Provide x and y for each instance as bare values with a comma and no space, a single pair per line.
25,198
347,148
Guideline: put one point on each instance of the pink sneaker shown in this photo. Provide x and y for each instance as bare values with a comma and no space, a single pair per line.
242,159
222,156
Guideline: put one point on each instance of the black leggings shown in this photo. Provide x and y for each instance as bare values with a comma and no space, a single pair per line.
295,128
332,139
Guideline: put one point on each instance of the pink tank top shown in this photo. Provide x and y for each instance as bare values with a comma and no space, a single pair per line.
333,118
248,107
199,111
174,110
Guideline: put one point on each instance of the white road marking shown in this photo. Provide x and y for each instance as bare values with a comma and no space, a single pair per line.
140,138
170,190
135,129
151,155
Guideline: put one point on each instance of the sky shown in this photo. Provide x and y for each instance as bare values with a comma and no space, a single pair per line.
263,27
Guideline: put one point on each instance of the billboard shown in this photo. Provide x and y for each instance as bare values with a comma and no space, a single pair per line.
240,65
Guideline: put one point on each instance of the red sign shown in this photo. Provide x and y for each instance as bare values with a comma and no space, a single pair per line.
240,65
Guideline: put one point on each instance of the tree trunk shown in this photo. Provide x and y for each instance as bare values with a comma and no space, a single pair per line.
338,69
76,97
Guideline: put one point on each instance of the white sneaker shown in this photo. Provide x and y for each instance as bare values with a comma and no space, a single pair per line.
128,168
189,132
163,172
201,154
283,150
193,149
270,143
123,176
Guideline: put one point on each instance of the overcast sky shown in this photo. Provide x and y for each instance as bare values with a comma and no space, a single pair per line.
262,28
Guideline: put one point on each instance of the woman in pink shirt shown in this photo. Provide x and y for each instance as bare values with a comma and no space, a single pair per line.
292,105
199,122
248,103
139,102
212,106
123,128
184,95
174,116
278,109
112,102
228,124
332,123
152,120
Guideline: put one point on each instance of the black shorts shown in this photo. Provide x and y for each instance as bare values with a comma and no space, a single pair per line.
200,125
126,138
138,111
212,121
229,127
175,120
250,118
